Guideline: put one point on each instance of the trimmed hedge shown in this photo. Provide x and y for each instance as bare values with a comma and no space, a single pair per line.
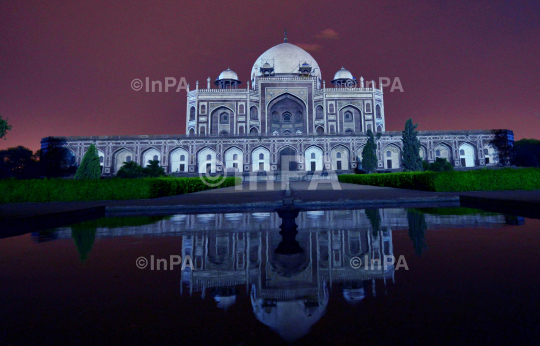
64,190
456,181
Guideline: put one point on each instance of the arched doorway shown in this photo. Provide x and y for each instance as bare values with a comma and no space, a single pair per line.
466,155
287,160
287,112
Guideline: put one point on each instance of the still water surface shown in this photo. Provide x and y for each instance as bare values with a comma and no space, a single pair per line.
462,277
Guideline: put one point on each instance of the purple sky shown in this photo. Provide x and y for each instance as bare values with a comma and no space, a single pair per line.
66,67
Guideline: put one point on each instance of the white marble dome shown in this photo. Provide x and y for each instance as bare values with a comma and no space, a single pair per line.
228,74
286,58
343,74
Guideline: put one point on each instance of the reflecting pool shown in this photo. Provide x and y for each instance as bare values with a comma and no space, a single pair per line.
377,276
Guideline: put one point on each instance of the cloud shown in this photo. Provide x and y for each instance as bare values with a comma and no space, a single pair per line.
330,34
310,47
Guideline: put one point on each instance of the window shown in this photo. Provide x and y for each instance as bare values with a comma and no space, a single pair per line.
378,112
224,132
224,118
437,152
241,130
379,128
349,131
261,156
338,155
241,109
253,130
182,157
128,158
287,117
287,133
331,108
348,116
203,130
155,158
461,152
235,157
208,157
101,159
275,116
319,113
486,151
192,113
369,127
320,130
203,109
388,153
191,131
312,155
368,107
298,116
253,113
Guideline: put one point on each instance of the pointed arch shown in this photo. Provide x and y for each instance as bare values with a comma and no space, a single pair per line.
179,160
391,154
206,160
467,154
234,159
443,150
120,156
150,153
339,156
314,158
260,159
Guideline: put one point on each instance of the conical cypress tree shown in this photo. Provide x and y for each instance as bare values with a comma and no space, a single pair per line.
369,154
89,168
411,148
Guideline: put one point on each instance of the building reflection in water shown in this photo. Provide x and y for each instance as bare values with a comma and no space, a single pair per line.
288,274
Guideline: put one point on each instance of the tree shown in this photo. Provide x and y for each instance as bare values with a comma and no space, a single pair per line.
369,154
154,169
84,238
440,165
18,162
410,155
504,142
131,169
56,160
417,230
4,127
90,167
375,220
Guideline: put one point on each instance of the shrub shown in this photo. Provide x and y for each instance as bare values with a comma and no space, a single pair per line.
130,170
440,165
51,190
455,181
154,170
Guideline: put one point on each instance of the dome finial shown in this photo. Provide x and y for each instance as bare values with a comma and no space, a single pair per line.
285,39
